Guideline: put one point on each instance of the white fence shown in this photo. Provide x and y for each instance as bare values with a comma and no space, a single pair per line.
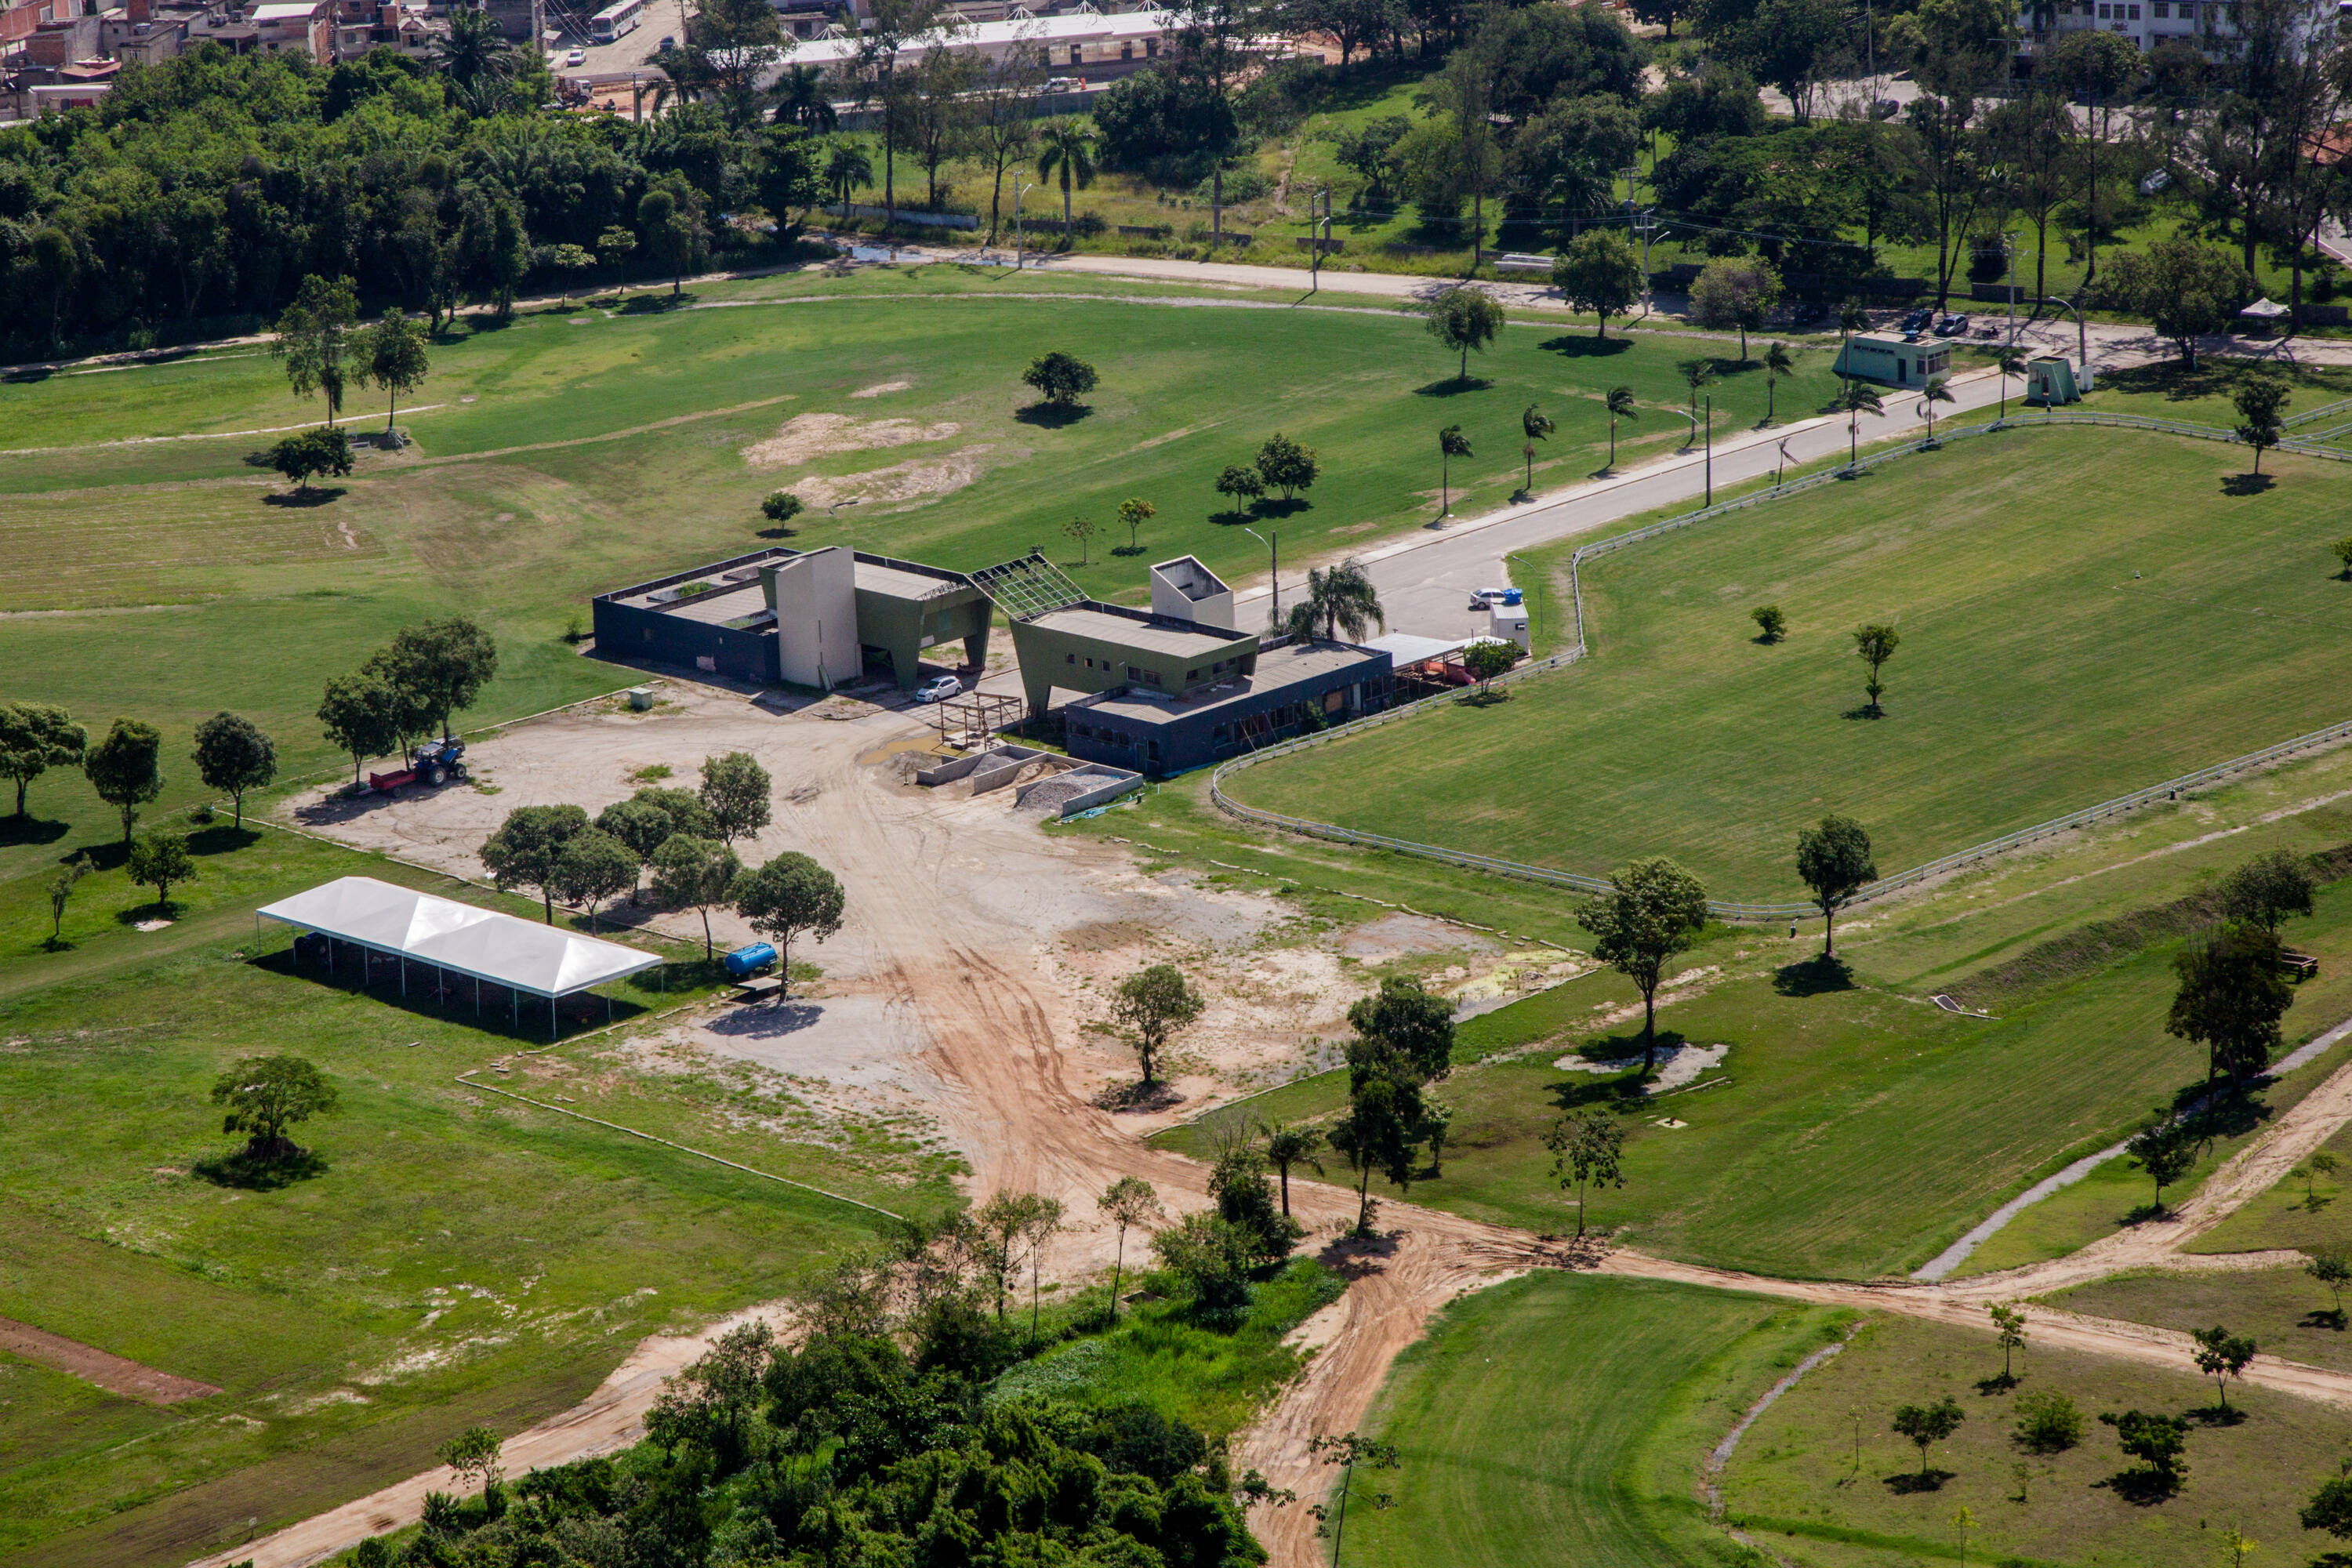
2169,789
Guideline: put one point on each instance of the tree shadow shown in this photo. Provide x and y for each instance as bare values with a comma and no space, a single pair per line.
107,856
2247,484
2143,1486
1279,506
766,1023
1866,710
30,830
168,909
2217,1416
2143,1214
1138,1097
1052,415
1998,1383
248,1173
778,531
2323,1318
222,838
1815,976
1580,347
1911,1483
641,305
30,374
1484,697
1454,386
1232,519
1354,1258
1131,549
318,495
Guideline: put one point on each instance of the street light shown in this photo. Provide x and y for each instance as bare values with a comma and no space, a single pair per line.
1017,188
1274,566
1535,605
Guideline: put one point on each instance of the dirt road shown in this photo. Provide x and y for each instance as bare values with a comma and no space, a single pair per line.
112,1372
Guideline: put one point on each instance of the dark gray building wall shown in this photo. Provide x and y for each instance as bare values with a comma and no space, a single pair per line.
632,636
1188,740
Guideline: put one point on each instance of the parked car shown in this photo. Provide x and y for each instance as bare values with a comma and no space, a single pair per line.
1951,326
1917,320
1064,84
939,688
667,43
576,57
1482,598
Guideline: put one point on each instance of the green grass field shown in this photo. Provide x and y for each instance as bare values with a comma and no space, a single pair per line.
1560,1419
2287,1214
2284,1311
2054,596
1795,1485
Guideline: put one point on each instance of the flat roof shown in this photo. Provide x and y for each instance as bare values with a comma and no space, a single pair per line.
1405,649
1277,668
1885,344
873,577
522,955
1191,641
721,605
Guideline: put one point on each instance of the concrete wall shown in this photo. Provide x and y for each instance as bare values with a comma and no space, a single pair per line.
1184,590
815,599
904,628
1188,740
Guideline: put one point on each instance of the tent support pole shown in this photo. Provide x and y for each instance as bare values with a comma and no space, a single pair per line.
552,1024
478,995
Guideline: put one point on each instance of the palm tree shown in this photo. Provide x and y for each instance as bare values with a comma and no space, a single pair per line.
1852,319
1065,151
845,168
1697,374
1936,391
1857,398
2007,361
1778,363
801,99
1451,443
1341,599
1538,428
1620,404
474,51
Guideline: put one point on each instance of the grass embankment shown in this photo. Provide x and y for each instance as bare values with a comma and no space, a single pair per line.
601,448
1796,1484
2036,641
1560,1419
451,1256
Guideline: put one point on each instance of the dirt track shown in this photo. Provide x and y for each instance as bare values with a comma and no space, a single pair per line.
958,908
112,1373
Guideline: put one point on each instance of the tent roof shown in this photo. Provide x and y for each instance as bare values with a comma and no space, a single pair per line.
1404,649
498,948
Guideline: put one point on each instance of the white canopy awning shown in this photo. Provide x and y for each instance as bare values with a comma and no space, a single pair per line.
1403,648
521,955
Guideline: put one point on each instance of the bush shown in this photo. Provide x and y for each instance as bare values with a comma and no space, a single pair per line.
2049,1423
1153,120
1244,184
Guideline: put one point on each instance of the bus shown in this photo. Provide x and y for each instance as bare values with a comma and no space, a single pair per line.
616,19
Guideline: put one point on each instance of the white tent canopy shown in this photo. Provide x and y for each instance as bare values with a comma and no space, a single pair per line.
483,944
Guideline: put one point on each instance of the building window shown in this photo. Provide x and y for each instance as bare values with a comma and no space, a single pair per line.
1073,659
2135,13
1190,675
1126,51
2162,9
1074,54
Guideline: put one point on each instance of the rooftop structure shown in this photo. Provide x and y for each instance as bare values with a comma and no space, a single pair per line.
1291,688
1183,589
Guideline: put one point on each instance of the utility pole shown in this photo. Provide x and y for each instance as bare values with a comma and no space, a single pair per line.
1216,210
1710,449
1017,188
1315,241
2009,251
1274,566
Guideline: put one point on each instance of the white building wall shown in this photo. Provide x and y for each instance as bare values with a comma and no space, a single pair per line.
817,618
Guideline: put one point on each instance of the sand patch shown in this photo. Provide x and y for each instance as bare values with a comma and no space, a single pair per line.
878,388
805,437
1678,1064
914,480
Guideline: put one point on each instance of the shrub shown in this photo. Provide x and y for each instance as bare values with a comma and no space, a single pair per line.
2049,1423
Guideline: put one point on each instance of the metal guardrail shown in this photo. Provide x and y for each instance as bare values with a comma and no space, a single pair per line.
1726,909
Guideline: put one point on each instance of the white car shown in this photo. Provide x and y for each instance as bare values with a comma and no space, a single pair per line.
1481,598
939,688
576,57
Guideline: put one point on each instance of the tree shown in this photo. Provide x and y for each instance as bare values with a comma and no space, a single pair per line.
1065,152
1081,531
1938,389
735,792
1771,624
1128,1203
1244,1198
2222,1356
1854,399
1586,1149
2007,361
266,1095
1621,405
2331,1507
1063,378
1489,658
1213,1257
1340,599
1004,130
528,849
790,896
307,454
641,825
1377,1133
1348,1452
60,889
935,123
233,755
2259,399
594,866
570,259
1834,860
2343,551
1044,1223
1536,427
615,246
694,873
1242,486
34,738
391,353
781,507
1598,271
2229,1000
2155,1441
708,1401
1928,1423
2332,1267
1132,515
473,1455
311,338
1409,1025
1437,1129
1735,291
1654,909
1874,644
474,51
1152,1006
2185,290
1451,443
1287,1146
159,860
1286,465
2008,1327
443,665
125,768
1463,317
1778,363
2166,1150
2269,888
669,221
2048,1422
358,714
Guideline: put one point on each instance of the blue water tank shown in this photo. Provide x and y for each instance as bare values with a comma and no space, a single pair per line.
1513,596
746,961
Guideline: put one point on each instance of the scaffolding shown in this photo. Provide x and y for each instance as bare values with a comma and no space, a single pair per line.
973,720
1028,587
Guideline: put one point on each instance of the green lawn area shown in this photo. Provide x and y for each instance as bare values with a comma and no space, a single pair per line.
1795,1485
2287,1216
2054,593
1560,1419
455,1257
2284,1311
